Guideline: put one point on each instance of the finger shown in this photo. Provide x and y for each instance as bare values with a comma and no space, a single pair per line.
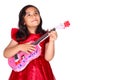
30,42
30,51
54,35
33,48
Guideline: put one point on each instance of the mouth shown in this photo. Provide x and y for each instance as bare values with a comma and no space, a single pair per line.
34,21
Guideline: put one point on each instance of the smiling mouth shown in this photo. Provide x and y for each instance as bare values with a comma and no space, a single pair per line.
34,20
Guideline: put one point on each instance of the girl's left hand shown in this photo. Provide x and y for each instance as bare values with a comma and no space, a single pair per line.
53,35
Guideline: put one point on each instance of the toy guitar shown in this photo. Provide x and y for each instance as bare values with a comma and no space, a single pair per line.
22,59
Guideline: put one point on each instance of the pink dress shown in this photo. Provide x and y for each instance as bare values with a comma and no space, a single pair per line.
37,69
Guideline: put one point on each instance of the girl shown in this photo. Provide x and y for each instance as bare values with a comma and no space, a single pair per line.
30,29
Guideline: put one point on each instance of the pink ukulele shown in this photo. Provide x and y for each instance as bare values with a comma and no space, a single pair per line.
22,59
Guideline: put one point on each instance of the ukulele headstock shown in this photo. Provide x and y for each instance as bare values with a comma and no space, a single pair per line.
63,25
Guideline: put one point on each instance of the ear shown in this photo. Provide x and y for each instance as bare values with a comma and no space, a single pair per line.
24,23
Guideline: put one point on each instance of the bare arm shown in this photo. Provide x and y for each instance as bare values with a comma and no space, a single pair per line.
50,46
14,48
11,49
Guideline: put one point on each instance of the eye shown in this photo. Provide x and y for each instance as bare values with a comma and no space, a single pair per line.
36,13
27,15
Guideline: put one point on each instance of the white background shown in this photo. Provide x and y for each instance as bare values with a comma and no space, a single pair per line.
88,50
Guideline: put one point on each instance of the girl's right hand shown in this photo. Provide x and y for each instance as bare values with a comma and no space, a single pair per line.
27,47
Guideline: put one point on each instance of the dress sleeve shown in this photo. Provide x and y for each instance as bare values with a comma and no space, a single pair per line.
13,33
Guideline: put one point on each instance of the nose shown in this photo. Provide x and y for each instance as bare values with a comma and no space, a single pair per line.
33,16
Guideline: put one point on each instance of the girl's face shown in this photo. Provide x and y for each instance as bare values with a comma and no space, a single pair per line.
32,18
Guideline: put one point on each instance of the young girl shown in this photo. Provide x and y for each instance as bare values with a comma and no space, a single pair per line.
30,29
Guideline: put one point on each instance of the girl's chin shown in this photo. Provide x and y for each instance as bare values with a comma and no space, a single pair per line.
35,24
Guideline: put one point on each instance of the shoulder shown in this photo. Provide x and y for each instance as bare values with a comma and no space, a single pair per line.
13,33
14,30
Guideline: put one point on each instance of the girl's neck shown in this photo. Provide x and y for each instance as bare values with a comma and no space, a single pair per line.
32,30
